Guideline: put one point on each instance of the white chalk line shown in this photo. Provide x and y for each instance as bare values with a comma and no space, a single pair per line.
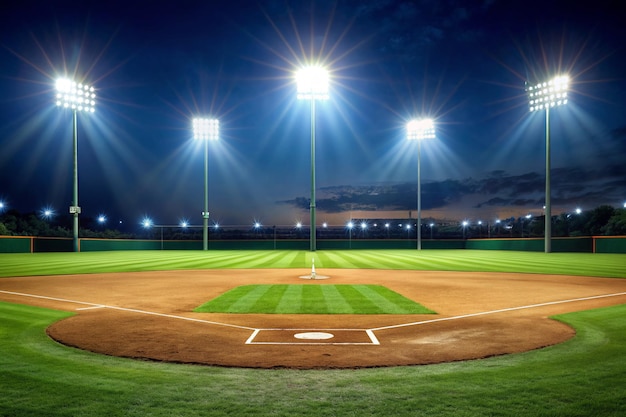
131,310
503,310
370,332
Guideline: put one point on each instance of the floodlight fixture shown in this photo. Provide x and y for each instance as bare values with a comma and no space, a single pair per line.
184,224
363,225
350,225
146,223
102,219
548,94
312,84
257,225
578,210
206,129
419,129
298,225
324,225
77,97
544,96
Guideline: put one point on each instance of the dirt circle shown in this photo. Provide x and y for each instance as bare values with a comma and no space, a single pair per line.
148,315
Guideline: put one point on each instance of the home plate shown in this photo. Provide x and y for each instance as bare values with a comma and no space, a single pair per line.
314,336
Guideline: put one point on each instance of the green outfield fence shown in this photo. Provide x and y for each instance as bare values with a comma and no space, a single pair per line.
34,244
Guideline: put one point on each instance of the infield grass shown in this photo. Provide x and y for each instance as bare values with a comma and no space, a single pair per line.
312,299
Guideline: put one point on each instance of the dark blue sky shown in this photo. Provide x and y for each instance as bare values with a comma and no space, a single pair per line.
156,65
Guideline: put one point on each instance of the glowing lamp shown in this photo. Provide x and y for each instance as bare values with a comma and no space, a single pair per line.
312,83
78,97
548,94
206,129
420,129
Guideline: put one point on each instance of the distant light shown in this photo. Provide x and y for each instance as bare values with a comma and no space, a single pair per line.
184,224
408,226
387,225
79,97
350,225
257,225
498,221
432,225
102,219
579,210
528,216
216,225
363,225
420,129
146,223
1,205
206,129
312,83
548,94
46,212
465,223
324,225
624,205
298,225
480,222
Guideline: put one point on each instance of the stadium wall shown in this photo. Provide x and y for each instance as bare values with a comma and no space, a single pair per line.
32,244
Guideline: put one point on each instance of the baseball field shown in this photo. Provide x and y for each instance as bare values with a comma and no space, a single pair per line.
399,332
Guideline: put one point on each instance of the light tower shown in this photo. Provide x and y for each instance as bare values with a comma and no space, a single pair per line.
546,95
78,98
418,130
206,129
312,85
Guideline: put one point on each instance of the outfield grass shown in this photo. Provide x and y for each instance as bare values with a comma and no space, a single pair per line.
312,299
584,376
585,264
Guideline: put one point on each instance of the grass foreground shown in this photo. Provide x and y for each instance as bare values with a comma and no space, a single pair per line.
584,376
312,299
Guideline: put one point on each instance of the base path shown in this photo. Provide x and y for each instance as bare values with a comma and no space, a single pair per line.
149,315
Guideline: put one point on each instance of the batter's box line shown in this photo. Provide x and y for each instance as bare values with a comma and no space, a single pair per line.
373,340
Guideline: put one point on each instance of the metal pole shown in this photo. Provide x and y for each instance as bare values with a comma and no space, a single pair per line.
548,214
312,207
76,210
419,196
205,213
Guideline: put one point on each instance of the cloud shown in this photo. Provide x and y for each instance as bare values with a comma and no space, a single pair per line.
570,187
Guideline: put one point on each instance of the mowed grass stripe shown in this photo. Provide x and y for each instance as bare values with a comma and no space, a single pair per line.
291,299
237,300
585,264
336,299
312,299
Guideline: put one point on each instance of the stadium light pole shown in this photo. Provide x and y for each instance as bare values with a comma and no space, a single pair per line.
78,98
206,129
312,85
546,95
419,130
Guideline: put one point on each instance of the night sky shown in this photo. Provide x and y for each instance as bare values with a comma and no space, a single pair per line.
156,65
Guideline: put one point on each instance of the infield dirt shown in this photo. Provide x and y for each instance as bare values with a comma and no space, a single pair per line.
148,315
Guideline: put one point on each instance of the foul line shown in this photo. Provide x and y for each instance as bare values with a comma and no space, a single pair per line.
503,310
132,310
